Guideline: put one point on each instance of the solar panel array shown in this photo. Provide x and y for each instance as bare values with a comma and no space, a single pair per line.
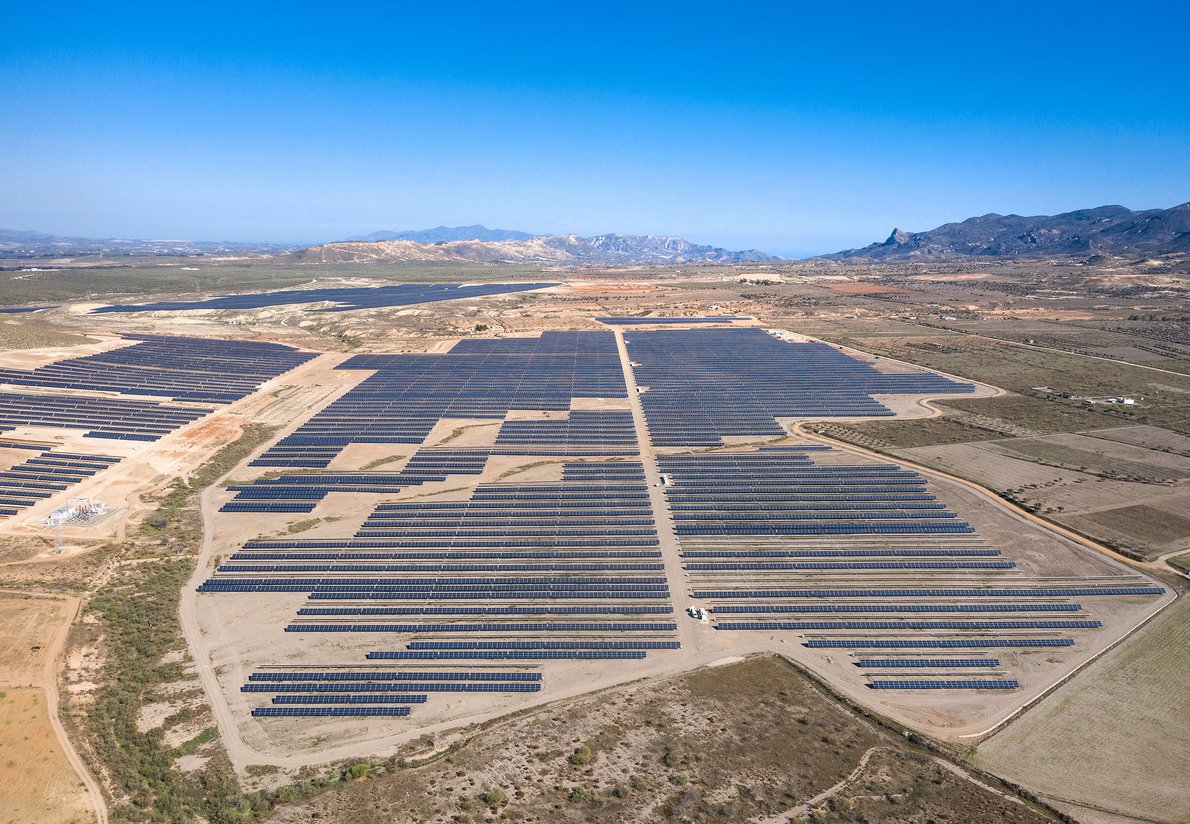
707,384
567,571
7,444
407,395
25,484
783,492
850,555
519,592
100,417
860,557
344,299
596,432
193,370
196,370
300,492
947,684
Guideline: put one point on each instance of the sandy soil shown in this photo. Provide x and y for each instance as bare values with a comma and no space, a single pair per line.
42,778
44,789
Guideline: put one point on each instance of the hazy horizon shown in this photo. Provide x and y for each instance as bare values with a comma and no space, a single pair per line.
315,241
793,130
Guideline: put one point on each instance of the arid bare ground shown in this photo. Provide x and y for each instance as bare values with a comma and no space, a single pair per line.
43,778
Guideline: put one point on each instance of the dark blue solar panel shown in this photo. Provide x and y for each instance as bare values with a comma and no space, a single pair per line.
705,384
344,299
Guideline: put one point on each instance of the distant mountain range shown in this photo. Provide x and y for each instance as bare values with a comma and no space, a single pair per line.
559,250
24,244
457,244
1107,230
446,234
1111,231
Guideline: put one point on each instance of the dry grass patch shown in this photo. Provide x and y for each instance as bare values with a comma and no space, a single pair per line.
27,626
37,784
1115,736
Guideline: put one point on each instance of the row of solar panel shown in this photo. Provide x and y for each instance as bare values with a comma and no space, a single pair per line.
457,645
589,514
874,527
617,609
257,555
382,675
488,519
544,531
948,684
764,511
328,712
838,513
404,687
753,609
650,582
514,655
265,506
263,568
527,626
827,565
931,663
766,499
348,699
905,624
940,592
900,552
480,594
940,643
423,543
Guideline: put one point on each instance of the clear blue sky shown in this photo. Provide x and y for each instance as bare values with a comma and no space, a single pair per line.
794,128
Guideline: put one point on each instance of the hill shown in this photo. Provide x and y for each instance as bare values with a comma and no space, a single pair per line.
554,249
445,234
1107,230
